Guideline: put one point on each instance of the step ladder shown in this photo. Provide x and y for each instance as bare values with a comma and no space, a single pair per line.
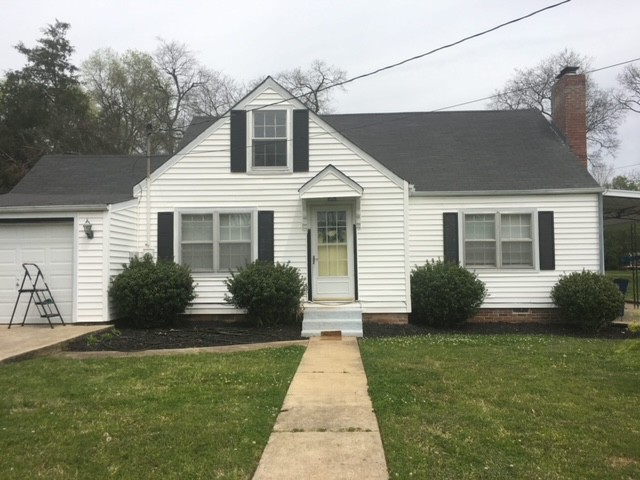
33,283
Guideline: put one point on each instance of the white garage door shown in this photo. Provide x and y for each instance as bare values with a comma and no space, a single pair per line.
48,245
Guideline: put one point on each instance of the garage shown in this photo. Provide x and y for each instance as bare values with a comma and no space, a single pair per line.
48,244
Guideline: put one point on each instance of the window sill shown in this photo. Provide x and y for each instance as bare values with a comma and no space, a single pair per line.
269,171
503,269
196,275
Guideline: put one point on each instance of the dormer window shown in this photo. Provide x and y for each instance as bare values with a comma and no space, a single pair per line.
269,141
270,138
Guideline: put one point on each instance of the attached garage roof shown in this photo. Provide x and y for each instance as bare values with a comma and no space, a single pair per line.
80,180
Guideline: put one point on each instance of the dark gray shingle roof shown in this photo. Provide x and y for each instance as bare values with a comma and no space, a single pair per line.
467,151
436,152
80,180
198,125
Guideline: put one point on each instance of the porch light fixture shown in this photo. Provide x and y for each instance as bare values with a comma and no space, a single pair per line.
87,229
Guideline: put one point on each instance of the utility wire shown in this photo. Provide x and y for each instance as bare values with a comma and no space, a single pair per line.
407,60
431,52
401,116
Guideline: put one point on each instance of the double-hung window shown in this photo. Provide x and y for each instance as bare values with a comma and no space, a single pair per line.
499,240
216,241
269,139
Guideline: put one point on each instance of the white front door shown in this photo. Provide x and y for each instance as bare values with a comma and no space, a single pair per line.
332,253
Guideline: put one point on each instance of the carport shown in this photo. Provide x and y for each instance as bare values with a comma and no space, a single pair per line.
622,207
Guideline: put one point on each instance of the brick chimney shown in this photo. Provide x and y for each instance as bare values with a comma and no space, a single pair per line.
569,110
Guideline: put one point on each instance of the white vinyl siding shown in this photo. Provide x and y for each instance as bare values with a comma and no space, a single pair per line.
92,283
123,242
577,240
201,180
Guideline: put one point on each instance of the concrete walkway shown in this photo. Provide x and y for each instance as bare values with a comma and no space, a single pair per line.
326,428
18,343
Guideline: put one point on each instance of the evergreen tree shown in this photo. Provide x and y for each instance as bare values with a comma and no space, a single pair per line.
43,109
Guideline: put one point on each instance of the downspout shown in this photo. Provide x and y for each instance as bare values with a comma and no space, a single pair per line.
147,247
601,229
407,260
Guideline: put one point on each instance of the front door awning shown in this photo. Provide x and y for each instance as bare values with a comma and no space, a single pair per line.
330,183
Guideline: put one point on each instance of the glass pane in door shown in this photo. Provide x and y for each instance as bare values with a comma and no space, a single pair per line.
333,258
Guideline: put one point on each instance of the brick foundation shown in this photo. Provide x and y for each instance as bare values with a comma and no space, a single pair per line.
516,315
216,317
386,318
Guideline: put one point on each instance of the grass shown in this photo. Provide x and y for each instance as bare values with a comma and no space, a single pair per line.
504,407
196,416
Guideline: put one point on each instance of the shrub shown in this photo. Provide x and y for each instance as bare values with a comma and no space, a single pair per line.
587,299
445,294
149,294
271,293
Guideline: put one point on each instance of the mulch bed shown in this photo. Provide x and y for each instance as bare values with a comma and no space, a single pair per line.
212,334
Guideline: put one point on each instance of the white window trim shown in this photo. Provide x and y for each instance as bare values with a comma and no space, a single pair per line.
498,267
177,227
249,142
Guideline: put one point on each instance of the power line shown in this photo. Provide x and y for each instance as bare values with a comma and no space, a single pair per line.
399,116
407,60
614,65
431,52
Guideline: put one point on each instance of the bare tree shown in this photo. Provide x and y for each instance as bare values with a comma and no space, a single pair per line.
184,76
531,88
216,96
124,88
313,86
630,81
189,89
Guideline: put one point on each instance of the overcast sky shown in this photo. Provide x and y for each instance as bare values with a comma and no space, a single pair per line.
250,39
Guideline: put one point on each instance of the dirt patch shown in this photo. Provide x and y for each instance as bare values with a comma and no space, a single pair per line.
214,334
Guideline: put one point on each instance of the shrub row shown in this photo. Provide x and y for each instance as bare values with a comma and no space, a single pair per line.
149,293
446,294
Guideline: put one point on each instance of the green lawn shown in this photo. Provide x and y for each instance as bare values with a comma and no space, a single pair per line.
194,416
505,407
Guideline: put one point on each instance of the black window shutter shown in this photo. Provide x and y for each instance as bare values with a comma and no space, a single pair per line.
265,236
301,140
450,232
546,241
238,141
165,236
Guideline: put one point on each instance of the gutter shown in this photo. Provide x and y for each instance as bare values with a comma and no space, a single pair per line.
54,208
487,193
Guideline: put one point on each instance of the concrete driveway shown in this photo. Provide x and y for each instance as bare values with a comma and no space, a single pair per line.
18,343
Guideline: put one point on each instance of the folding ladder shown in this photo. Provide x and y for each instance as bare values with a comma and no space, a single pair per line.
33,283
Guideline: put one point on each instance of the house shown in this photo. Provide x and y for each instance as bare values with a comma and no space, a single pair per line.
354,201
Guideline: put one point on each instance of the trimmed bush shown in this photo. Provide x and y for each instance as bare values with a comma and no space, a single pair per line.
148,294
270,292
445,294
587,299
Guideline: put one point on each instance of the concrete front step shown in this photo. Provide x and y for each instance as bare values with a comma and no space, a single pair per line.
345,318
